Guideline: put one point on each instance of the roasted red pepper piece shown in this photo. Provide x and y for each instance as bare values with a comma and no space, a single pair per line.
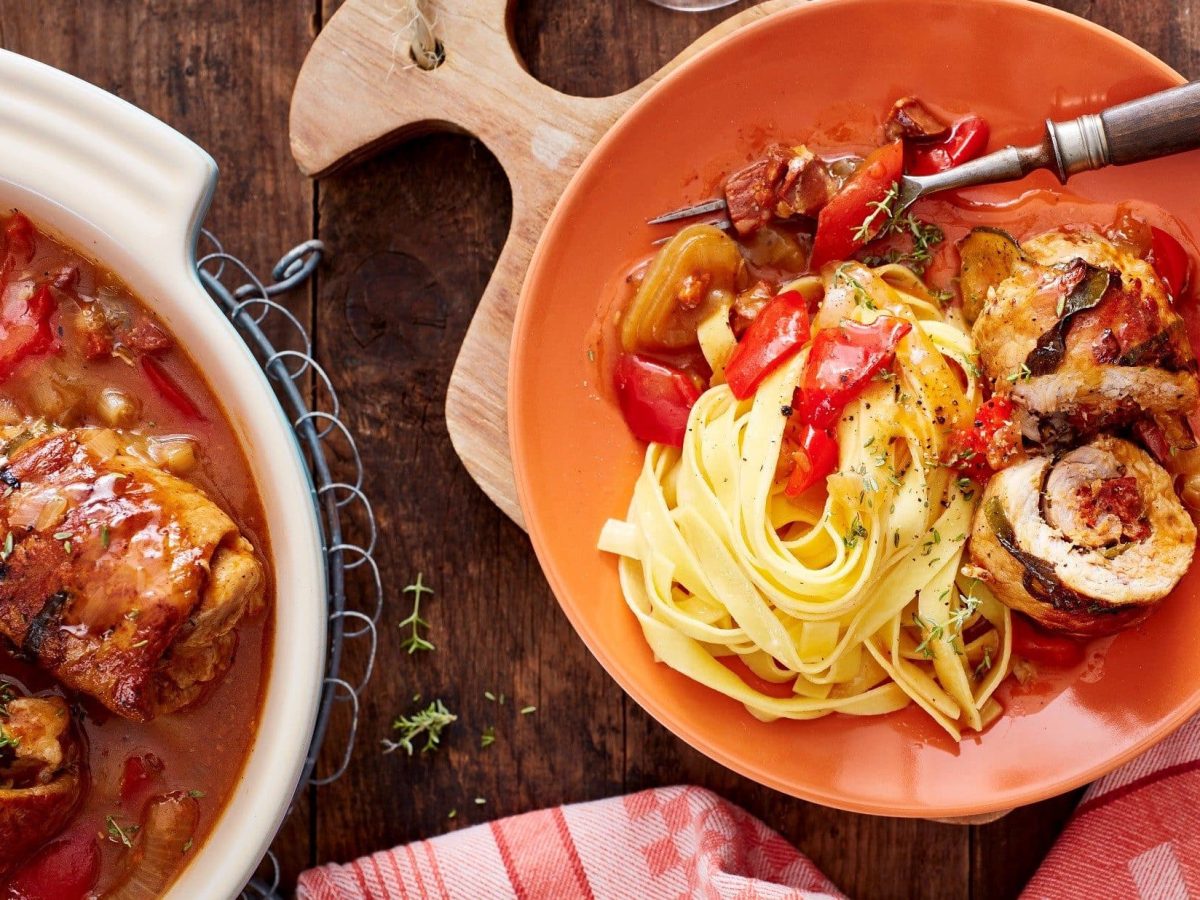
969,446
840,364
168,389
1043,648
776,334
655,399
25,328
1170,260
816,457
968,138
840,229
66,869
137,775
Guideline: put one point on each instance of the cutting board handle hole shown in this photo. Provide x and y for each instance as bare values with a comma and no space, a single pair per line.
428,59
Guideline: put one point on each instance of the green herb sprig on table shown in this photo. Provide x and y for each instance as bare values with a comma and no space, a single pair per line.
430,722
415,641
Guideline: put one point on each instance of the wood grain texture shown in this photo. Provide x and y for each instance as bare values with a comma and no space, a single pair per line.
413,236
358,91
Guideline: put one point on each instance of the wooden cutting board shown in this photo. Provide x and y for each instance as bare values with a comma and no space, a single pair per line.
359,91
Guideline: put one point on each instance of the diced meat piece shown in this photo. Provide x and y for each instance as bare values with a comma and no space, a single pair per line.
693,290
147,336
786,182
94,329
911,119
134,593
42,774
747,305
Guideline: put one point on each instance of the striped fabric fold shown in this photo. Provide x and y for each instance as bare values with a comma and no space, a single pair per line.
1136,834
662,844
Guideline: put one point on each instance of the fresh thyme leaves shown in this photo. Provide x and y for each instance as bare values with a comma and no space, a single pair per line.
452,814
488,737
118,834
966,487
886,208
105,537
415,641
861,295
429,722
930,632
7,740
7,696
985,664
195,794
960,617
924,236
1022,374
856,533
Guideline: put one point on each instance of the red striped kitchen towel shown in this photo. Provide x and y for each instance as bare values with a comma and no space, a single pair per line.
1136,834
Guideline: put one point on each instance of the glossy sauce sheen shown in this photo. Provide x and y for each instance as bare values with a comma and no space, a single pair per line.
202,748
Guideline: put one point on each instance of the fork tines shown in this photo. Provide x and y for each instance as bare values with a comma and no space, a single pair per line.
686,212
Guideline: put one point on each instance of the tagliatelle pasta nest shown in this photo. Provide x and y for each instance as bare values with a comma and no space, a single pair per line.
851,601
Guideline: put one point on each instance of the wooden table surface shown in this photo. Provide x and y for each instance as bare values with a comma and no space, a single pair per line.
412,237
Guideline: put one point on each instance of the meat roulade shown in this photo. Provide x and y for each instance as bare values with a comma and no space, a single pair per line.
1085,543
42,773
123,581
1080,332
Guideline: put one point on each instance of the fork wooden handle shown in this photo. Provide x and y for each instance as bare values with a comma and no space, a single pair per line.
1158,125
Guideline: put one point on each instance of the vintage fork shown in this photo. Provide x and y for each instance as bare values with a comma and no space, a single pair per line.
1152,126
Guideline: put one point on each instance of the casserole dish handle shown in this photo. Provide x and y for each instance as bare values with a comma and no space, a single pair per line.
132,176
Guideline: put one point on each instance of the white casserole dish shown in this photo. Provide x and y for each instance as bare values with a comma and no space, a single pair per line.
130,191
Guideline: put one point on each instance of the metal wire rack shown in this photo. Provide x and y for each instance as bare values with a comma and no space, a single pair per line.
342,507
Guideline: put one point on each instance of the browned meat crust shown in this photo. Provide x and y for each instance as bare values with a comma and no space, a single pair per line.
130,590
43,769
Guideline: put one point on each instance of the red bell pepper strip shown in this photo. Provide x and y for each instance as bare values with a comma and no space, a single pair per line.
655,399
66,869
1170,260
969,446
1043,648
169,390
816,457
25,328
840,364
776,334
853,216
968,138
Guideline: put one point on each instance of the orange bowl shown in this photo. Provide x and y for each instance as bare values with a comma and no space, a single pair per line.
822,71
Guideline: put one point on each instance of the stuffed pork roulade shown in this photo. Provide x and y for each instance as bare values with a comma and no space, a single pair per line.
1085,543
1080,332
42,772
122,580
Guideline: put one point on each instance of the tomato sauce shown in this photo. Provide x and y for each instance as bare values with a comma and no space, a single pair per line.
113,364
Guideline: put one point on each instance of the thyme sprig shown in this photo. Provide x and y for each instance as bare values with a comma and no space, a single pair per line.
884,207
931,632
415,641
118,834
430,722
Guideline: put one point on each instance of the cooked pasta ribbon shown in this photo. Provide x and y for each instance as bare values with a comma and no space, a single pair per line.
798,608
